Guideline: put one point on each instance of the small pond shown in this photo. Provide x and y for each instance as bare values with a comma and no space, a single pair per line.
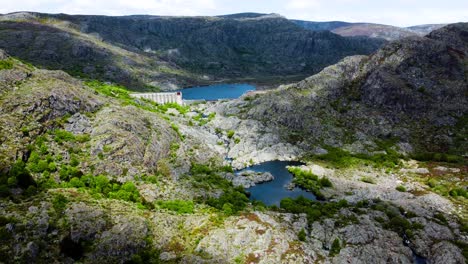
271,193
216,91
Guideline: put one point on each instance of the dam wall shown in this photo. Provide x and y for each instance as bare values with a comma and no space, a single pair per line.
161,98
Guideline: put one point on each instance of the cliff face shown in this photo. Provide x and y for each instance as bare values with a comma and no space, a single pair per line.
140,50
413,89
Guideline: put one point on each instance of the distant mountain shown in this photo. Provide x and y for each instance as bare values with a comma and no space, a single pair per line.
370,30
331,25
374,31
412,91
426,29
162,51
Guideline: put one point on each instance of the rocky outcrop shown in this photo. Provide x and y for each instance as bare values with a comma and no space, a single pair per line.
250,178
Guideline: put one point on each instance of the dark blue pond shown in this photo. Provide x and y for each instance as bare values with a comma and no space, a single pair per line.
215,92
271,193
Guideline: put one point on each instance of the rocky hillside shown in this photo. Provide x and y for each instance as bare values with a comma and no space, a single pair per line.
138,50
412,91
56,44
89,174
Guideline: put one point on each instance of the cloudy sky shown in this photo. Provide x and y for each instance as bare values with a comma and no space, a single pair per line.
393,12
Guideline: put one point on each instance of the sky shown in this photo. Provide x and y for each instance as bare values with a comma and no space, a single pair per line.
391,12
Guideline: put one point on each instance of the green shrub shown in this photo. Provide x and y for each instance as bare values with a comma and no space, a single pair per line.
52,167
227,168
178,206
459,192
325,182
200,169
398,224
100,183
302,235
230,133
235,199
74,161
335,247
313,209
127,192
401,188
59,203
63,136
76,182
21,174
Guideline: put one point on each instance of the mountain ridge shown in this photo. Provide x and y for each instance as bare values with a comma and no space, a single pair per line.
194,49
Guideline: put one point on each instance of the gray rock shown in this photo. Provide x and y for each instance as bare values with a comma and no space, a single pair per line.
249,178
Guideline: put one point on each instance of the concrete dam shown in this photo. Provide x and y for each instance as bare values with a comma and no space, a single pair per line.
161,98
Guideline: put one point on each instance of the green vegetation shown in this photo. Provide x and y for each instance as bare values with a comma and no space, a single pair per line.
176,129
343,159
313,209
231,201
6,64
401,188
59,203
302,235
18,176
309,181
447,188
203,120
230,133
440,157
335,247
178,206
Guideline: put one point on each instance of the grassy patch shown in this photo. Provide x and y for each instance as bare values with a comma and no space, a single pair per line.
178,206
343,159
6,64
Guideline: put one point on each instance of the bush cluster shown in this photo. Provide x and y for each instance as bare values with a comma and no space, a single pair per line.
309,181
313,209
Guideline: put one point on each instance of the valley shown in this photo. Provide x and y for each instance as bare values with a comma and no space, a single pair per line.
364,161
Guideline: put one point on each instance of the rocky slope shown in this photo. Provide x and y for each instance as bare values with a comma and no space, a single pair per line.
89,174
146,49
412,91
56,44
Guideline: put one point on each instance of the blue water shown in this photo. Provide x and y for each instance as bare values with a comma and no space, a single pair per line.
217,91
271,193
